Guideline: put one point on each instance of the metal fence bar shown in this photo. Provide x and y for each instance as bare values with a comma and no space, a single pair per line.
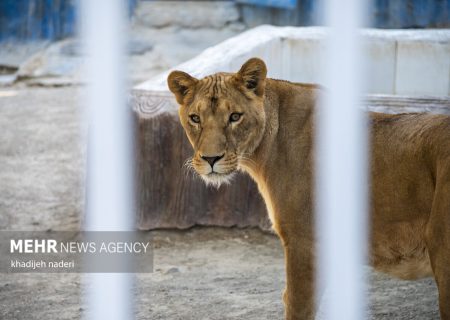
342,167
109,174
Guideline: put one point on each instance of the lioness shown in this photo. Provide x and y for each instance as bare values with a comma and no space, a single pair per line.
244,121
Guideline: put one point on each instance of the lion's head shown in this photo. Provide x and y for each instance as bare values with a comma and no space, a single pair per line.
223,116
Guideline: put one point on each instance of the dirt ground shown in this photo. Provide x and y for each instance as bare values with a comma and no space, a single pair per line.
202,273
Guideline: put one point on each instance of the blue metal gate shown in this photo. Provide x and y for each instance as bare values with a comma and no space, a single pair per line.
284,4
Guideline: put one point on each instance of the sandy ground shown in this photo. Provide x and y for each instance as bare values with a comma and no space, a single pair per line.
203,273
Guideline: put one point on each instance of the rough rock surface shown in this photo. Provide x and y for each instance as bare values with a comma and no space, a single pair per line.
14,53
190,14
58,60
151,51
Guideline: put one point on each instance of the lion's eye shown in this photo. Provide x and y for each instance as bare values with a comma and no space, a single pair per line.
195,118
234,117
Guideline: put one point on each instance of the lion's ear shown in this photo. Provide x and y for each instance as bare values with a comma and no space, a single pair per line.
253,75
181,83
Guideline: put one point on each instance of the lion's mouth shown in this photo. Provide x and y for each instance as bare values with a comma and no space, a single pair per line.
215,173
216,179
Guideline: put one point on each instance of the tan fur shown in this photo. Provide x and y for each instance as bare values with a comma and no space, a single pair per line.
273,142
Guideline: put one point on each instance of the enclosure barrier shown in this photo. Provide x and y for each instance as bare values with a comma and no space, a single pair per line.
109,170
341,176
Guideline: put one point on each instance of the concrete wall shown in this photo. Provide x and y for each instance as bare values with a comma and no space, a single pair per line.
399,62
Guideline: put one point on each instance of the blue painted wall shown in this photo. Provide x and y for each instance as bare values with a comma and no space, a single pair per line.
411,13
382,13
56,19
39,19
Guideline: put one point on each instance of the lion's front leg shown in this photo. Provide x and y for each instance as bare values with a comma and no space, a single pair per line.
438,244
298,296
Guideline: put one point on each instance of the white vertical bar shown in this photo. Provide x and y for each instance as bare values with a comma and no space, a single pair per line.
109,174
342,166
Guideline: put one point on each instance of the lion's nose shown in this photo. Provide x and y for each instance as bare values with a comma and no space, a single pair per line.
212,160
